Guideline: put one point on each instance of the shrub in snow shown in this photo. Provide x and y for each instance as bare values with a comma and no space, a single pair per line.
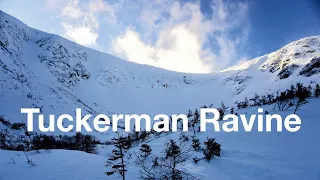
166,166
143,135
194,121
302,95
189,113
86,143
282,99
196,160
290,104
12,141
212,148
317,91
282,102
145,150
183,137
195,143
155,162
29,95
18,126
43,142
3,121
232,110
3,139
242,104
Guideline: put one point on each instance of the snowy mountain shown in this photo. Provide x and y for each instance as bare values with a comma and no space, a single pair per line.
42,70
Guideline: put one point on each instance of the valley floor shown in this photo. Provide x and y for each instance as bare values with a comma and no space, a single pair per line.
244,156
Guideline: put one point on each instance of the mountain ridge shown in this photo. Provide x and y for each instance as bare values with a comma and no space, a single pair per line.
41,70
48,71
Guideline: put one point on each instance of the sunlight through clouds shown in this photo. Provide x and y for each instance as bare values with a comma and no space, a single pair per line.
82,35
173,35
182,37
176,49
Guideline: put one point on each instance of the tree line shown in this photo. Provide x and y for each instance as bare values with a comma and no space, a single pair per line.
167,164
28,142
283,99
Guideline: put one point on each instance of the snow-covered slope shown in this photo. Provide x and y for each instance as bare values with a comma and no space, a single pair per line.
245,156
296,62
44,70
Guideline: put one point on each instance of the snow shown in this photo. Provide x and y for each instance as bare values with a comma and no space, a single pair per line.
50,165
244,155
46,66
54,71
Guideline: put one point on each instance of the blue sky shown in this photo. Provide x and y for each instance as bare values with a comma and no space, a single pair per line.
279,22
188,36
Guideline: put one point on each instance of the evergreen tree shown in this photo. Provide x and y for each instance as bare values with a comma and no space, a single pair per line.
291,92
256,100
174,158
145,150
3,140
270,98
302,95
309,91
246,102
195,143
299,89
222,110
189,113
223,107
195,120
212,148
88,144
263,99
317,91
116,160
136,134
196,114
238,104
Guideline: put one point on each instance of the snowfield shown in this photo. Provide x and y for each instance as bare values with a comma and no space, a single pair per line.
245,155
46,71
54,74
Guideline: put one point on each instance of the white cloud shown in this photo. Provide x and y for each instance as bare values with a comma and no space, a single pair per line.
169,34
176,49
182,36
79,25
73,10
80,20
100,6
82,34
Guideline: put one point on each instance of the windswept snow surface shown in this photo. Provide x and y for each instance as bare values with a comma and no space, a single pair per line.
42,70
